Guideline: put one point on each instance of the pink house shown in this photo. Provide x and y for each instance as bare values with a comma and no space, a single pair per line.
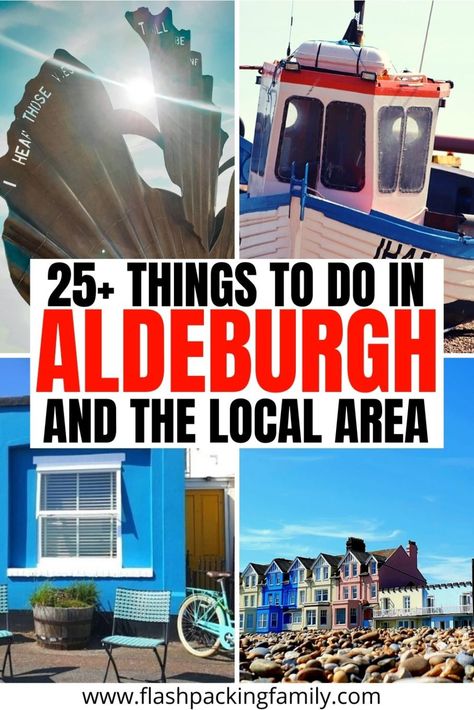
363,573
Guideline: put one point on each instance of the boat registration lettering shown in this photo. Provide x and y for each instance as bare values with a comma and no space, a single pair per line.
387,249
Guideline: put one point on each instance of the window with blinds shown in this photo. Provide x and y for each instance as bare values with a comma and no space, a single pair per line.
78,515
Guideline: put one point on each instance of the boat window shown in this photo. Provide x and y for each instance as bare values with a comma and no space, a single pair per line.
391,124
415,148
266,108
300,139
344,147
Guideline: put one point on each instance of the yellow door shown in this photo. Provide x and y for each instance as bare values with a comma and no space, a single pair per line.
205,536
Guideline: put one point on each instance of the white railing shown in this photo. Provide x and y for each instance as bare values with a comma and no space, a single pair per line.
422,611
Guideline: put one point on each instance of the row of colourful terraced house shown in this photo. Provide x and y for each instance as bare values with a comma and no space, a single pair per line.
360,588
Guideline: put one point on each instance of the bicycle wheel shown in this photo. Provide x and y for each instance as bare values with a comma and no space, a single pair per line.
198,641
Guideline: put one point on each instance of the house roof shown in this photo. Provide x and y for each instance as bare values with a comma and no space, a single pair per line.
383,553
23,401
259,569
307,562
283,564
380,555
439,585
361,556
332,559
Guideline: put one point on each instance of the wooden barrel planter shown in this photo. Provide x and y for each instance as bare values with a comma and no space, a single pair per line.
63,628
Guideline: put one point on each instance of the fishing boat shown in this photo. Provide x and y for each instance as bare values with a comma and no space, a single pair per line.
341,166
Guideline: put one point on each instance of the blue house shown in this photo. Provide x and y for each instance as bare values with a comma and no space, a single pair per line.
115,516
278,594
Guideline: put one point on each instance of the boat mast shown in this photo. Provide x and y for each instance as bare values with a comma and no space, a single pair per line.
355,31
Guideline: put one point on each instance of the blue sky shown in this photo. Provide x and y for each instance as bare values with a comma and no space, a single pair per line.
98,35
304,502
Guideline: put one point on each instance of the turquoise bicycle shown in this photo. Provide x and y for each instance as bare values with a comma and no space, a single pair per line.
205,621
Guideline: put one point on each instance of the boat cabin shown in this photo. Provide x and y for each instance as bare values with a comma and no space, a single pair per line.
361,133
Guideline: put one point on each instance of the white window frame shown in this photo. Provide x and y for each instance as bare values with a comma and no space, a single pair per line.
325,572
373,590
81,566
242,621
302,596
406,603
354,569
322,593
345,592
102,463
373,567
311,617
353,592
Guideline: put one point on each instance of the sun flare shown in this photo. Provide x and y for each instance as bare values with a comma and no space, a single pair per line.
139,90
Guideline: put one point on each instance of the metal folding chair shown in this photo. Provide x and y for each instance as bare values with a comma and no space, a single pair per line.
6,636
136,606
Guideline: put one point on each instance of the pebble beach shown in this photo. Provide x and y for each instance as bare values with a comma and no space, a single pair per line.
359,656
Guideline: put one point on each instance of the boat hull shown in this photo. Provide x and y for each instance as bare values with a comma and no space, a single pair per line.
277,227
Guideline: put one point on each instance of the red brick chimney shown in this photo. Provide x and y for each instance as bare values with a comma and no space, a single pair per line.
412,551
356,544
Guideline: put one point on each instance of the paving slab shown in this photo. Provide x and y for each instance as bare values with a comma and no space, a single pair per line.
34,664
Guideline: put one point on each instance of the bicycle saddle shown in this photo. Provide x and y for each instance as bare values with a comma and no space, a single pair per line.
219,575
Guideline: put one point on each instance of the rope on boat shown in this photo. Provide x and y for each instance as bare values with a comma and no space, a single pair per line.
426,36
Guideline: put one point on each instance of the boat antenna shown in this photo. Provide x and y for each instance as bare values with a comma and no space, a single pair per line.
426,36
288,49
355,31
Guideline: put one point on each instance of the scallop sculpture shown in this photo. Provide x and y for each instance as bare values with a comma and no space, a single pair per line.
70,182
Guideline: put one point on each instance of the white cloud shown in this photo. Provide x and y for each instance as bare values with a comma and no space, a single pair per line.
269,538
439,568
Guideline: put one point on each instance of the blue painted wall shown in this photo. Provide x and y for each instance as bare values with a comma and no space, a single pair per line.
276,586
153,525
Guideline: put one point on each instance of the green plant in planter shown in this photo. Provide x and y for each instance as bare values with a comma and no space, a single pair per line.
63,615
76,595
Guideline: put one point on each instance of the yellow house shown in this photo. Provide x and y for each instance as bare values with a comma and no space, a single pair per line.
444,605
400,607
321,591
